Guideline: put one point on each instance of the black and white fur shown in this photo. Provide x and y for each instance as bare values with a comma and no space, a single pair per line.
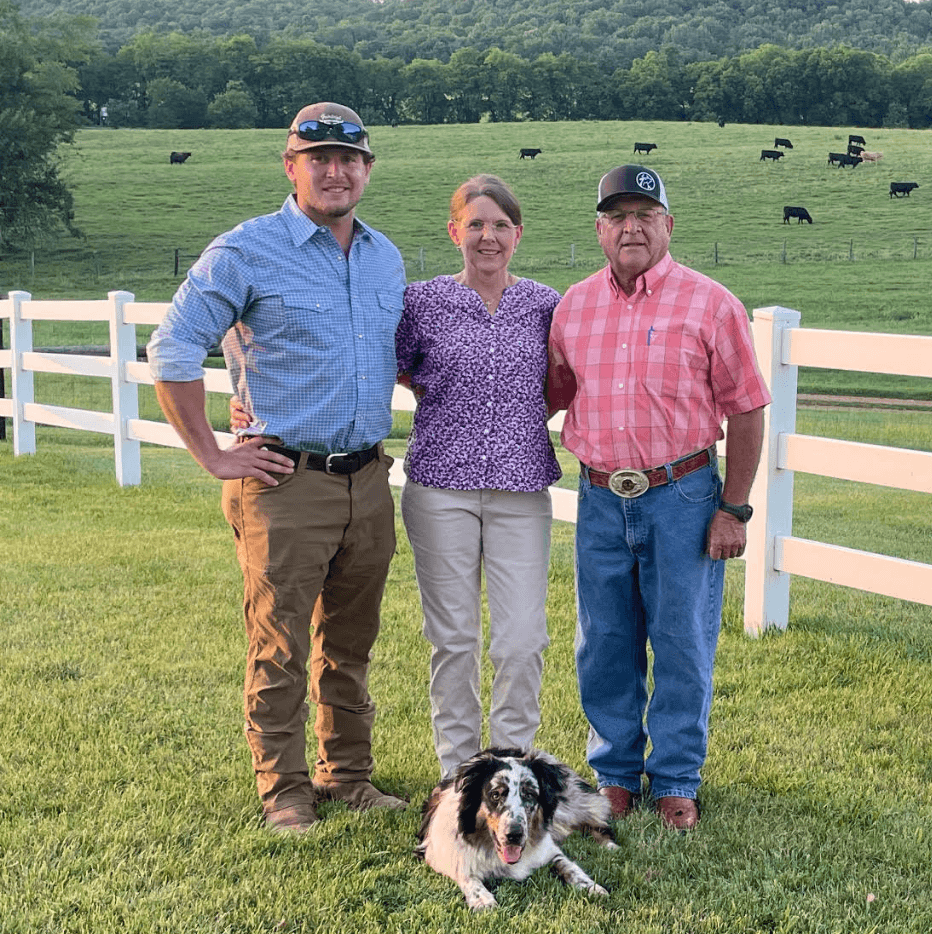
503,814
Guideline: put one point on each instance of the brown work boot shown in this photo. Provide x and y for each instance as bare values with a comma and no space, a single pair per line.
678,813
292,819
358,796
622,800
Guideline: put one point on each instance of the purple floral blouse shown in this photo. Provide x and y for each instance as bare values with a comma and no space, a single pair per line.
481,419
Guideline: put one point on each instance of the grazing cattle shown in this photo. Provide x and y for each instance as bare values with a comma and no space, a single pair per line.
529,153
902,189
770,154
178,158
871,156
853,161
780,141
644,147
801,214
834,158
854,150
857,139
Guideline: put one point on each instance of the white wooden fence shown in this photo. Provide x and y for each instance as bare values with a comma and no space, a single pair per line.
773,553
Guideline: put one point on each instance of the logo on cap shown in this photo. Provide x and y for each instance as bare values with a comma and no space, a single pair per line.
646,181
332,119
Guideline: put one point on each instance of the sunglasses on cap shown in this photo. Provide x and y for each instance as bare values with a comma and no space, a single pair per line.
345,132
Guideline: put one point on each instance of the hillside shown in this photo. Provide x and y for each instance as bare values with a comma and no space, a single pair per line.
611,33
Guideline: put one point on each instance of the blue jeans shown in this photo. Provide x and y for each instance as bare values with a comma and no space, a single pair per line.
643,576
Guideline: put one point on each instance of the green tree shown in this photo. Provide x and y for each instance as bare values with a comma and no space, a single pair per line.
174,106
38,114
233,109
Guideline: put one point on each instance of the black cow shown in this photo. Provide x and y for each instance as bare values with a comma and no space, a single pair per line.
530,153
834,158
902,189
721,121
644,147
857,139
780,141
853,161
854,150
770,154
801,214
178,158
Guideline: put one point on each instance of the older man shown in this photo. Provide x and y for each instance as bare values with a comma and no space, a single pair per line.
649,357
306,301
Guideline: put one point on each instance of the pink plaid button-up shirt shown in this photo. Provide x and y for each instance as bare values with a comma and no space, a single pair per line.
650,377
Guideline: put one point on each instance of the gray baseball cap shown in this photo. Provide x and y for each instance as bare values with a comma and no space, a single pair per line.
631,180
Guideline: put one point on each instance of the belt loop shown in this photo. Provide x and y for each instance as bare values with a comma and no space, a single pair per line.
669,469
302,461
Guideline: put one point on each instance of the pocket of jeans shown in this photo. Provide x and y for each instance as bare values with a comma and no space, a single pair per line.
701,486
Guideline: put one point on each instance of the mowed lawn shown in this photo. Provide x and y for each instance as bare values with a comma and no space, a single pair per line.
127,801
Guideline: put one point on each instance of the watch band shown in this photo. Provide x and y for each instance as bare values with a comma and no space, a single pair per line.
742,513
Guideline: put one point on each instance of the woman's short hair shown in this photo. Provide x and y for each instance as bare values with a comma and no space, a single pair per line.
487,186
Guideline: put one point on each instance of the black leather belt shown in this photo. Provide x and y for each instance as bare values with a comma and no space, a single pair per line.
342,464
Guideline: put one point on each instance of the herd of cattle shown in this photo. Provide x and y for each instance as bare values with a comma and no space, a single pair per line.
855,155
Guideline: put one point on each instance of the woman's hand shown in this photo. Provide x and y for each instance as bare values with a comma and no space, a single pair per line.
239,418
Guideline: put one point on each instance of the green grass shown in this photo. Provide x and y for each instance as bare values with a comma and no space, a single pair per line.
128,802
136,210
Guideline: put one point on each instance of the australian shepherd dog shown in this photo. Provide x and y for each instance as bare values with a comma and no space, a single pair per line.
503,814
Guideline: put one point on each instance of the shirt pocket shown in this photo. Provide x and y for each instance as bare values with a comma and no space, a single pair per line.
667,363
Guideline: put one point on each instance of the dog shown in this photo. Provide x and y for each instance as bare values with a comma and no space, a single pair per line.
503,814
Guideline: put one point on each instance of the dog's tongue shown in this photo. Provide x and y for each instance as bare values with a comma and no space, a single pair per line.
511,854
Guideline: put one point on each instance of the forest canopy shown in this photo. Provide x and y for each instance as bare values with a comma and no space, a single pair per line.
608,33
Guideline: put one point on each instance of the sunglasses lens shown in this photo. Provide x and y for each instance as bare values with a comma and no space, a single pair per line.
314,131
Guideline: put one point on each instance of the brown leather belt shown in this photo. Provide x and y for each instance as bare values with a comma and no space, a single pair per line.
629,483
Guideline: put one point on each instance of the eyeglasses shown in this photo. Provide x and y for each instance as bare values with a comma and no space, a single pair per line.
643,216
314,131
498,227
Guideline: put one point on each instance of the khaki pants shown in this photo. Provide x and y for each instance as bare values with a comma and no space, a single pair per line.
454,534
315,552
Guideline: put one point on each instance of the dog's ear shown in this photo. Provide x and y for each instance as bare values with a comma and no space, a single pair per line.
551,780
471,778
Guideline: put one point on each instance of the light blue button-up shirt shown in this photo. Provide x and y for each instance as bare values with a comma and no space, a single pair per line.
308,333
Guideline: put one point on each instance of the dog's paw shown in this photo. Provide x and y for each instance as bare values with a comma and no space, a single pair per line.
596,889
478,897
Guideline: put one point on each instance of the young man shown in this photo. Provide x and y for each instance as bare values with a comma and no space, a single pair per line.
306,301
648,357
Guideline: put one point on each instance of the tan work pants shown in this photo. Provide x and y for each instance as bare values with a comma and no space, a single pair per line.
314,551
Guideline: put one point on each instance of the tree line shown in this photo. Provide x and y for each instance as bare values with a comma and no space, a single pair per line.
176,80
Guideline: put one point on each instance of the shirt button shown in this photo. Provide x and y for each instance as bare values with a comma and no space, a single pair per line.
621,385
486,431
624,346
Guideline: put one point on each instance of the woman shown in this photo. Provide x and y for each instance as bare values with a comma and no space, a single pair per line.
473,347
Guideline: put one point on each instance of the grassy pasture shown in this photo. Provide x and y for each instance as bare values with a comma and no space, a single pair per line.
128,801
136,209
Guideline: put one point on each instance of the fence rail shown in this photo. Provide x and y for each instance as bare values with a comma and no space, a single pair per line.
773,554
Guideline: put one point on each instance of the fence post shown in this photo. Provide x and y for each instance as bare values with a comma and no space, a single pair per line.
766,590
125,394
24,392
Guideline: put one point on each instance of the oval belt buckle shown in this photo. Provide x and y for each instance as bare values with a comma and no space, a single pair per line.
628,483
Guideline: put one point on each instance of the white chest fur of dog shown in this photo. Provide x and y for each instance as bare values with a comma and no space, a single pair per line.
503,815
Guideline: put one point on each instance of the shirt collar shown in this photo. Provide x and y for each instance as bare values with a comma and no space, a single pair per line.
302,228
647,281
